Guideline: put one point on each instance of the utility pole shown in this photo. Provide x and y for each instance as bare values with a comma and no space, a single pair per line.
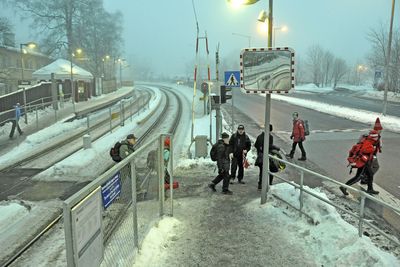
387,65
265,174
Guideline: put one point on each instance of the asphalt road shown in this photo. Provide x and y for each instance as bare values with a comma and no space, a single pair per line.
330,139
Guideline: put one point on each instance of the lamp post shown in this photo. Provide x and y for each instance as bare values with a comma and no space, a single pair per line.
120,71
72,54
263,17
22,52
282,28
388,61
243,35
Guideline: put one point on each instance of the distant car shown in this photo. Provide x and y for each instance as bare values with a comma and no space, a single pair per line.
179,82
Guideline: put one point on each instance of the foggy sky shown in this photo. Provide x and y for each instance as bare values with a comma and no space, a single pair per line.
162,34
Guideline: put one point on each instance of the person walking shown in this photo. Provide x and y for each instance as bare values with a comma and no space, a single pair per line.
166,156
223,162
298,136
367,150
259,144
15,121
240,144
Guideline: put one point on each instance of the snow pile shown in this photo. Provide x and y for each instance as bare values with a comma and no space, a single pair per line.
331,240
156,242
10,212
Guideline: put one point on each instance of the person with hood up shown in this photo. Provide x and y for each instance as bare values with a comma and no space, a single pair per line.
298,136
240,144
223,162
127,146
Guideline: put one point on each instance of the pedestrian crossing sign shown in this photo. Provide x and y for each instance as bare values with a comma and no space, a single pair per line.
232,78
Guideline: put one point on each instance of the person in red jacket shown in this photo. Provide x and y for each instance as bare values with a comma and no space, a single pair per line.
298,136
368,149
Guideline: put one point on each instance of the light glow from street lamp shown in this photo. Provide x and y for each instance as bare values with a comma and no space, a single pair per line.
262,27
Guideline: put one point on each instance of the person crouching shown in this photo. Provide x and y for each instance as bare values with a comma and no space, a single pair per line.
223,164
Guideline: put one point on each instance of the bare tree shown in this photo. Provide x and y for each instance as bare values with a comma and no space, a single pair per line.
5,25
66,25
314,61
377,57
328,60
339,69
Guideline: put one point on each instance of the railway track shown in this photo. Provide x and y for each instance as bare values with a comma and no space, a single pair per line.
27,168
172,128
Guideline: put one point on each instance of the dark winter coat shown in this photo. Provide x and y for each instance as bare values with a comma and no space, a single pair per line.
126,149
259,144
238,143
298,131
223,161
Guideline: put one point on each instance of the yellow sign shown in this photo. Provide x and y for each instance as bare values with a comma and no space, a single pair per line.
114,115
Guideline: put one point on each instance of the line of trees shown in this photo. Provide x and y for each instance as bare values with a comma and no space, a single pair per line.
377,57
65,25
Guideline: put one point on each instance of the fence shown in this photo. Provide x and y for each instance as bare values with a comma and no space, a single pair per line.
106,221
363,196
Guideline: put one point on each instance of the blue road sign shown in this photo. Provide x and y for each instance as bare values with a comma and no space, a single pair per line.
111,190
232,78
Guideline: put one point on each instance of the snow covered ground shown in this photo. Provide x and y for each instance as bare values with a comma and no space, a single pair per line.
330,242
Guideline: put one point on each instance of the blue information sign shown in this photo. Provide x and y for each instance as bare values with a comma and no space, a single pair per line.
111,190
232,78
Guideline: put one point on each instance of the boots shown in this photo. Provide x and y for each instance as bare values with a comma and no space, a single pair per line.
303,158
290,155
372,192
344,191
212,187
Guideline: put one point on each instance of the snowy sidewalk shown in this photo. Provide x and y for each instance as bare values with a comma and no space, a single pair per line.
212,229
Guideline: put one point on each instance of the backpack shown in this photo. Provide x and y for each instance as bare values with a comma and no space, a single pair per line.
358,154
214,152
306,127
114,152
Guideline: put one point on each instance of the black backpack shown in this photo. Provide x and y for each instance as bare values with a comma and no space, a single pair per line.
214,152
114,152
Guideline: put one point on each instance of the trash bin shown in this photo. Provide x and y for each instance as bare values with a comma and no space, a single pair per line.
200,146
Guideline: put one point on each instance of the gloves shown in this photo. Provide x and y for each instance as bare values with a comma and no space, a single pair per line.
291,137
231,156
220,171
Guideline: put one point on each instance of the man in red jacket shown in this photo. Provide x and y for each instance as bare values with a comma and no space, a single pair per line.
298,137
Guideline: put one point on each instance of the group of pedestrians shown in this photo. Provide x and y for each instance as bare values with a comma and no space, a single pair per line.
231,154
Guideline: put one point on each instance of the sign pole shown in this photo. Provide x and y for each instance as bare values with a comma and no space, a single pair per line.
265,169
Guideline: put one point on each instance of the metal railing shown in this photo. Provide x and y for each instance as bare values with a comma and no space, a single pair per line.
132,201
363,195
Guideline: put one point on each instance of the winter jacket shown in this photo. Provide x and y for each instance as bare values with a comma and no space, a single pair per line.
298,131
126,149
238,143
223,161
259,144
17,113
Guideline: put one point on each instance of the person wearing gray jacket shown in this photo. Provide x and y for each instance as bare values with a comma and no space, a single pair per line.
127,146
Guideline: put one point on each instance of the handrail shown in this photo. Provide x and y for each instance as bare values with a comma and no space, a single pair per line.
363,196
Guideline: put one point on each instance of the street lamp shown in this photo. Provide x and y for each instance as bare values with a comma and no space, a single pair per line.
72,54
263,17
387,63
30,45
120,71
282,29
360,68
244,35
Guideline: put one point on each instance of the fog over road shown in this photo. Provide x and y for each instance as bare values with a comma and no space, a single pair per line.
332,138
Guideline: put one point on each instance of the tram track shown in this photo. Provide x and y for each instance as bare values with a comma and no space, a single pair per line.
153,128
